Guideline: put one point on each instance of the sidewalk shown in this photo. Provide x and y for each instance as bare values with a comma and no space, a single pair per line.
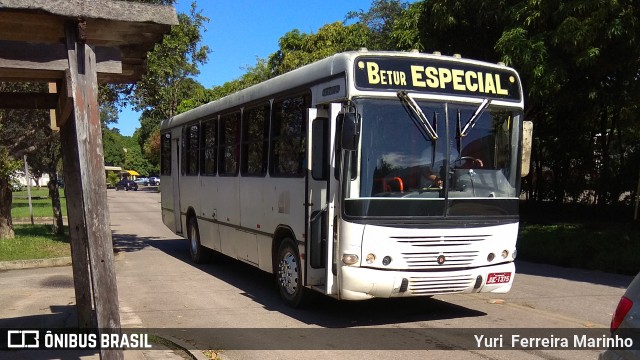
44,298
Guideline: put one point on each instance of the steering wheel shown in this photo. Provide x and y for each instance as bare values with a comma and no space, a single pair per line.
463,160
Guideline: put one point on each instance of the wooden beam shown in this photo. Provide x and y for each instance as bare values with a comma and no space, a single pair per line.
53,57
65,100
84,167
53,122
14,100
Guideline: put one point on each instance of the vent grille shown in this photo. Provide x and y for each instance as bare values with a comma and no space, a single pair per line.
430,285
422,252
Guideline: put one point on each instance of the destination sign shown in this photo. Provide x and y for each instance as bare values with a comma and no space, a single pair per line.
436,76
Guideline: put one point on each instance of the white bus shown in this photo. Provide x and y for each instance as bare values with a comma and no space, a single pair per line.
365,174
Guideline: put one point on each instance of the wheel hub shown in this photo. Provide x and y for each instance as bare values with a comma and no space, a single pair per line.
288,273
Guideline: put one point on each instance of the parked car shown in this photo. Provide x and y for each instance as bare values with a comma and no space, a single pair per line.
126,184
142,181
154,181
626,323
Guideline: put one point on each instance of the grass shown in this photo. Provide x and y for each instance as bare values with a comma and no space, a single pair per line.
40,202
34,242
610,247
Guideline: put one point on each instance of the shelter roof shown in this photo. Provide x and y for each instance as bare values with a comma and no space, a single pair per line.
127,29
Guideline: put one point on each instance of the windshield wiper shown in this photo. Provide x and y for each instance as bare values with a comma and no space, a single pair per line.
474,118
403,95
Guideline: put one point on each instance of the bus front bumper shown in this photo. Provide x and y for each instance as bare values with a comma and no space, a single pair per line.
359,283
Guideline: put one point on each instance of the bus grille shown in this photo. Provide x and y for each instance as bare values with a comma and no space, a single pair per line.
423,252
428,285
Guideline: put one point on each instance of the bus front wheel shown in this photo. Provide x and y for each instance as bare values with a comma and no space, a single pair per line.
199,253
288,274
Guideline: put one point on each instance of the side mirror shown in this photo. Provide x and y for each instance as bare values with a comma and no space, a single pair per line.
527,136
350,133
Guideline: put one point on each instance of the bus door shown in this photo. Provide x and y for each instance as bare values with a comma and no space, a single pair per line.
175,181
316,201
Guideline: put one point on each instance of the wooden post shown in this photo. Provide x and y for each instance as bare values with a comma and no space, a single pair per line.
77,226
87,197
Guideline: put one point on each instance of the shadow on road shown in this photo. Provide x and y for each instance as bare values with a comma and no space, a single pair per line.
129,242
62,316
323,311
587,276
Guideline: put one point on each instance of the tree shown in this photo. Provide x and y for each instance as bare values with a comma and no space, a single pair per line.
579,62
21,132
298,49
47,159
254,75
171,66
381,20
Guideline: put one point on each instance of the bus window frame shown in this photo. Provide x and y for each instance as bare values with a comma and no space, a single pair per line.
222,145
306,96
245,143
204,147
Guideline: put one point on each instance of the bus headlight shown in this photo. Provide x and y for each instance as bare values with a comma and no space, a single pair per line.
505,254
349,259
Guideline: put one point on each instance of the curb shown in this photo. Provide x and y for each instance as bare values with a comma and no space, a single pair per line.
183,346
36,263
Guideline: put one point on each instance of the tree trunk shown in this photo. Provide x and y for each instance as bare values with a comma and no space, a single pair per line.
54,194
6,224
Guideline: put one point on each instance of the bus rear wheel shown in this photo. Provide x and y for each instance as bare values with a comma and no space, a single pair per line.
199,253
289,274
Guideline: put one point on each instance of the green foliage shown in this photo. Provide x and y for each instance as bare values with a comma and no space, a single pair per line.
384,19
113,145
171,65
578,62
405,34
126,152
606,247
22,132
8,165
298,49
254,75
112,179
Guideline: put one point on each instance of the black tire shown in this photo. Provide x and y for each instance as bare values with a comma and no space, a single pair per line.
289,274
199,253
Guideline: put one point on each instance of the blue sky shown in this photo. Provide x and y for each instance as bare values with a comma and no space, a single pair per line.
239,31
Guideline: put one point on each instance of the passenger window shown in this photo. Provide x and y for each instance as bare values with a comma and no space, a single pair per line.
255,141
229,144
288,136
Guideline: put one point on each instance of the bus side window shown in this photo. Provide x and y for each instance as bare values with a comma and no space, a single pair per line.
165,154
193,150
229,145
255,141
208,158
288,137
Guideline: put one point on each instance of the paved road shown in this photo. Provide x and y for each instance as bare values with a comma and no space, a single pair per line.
160,288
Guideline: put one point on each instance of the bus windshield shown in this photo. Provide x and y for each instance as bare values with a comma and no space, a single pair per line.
405,171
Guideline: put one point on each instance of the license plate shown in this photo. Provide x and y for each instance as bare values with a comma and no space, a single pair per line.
498,278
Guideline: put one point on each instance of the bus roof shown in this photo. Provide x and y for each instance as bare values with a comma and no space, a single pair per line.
313,73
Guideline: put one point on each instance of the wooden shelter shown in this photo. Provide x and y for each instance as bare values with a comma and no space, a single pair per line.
77,44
